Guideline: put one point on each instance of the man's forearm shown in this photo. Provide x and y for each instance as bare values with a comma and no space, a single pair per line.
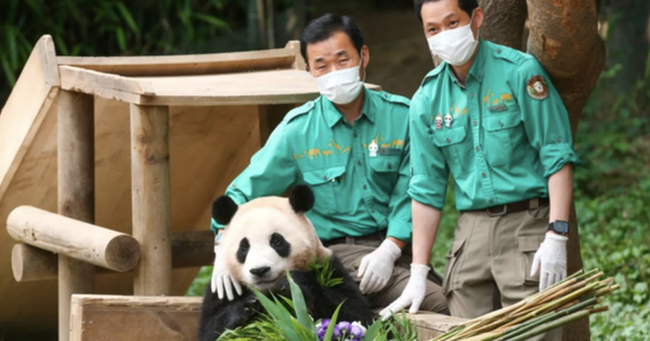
560,187
425,228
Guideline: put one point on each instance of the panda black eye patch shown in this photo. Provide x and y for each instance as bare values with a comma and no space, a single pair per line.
280,245
242,251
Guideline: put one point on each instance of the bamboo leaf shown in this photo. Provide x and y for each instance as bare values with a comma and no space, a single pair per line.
300,305
330,328
214,21
126,15
121,40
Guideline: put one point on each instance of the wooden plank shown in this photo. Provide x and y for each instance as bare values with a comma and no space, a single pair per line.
116,318
250,88
151,198
78,80
73,238
190,249
76,200
186,64
25,109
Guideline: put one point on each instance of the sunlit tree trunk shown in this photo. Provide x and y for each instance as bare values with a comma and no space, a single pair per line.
563,36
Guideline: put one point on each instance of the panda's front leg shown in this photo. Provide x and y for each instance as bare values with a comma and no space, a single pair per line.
218,316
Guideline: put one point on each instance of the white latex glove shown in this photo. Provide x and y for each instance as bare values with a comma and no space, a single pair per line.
551,259
413,293
377,267
221,279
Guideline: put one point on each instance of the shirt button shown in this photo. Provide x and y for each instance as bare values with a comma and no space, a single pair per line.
390,166
325,177
499,51
448,140
500,124
475,123
491,200
359,163
484,175
355,135
477,148
365,187
471,95
558,139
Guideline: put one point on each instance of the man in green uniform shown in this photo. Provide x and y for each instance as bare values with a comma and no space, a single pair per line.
351,146
488,116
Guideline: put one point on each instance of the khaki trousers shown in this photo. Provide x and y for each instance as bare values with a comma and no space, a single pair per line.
351,255
489,262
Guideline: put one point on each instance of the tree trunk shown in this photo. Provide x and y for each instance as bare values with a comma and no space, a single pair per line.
504,22
564,38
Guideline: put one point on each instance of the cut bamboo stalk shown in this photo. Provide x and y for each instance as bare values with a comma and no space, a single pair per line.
151,202
76,196
189,250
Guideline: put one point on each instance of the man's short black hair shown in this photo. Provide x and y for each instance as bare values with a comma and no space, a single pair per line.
324,27
468,6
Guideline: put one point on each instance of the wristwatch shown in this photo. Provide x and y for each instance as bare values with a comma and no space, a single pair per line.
559,227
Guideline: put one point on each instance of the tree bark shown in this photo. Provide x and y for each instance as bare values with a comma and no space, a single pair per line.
564,38
504,22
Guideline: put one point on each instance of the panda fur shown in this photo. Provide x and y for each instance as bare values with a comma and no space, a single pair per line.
264,238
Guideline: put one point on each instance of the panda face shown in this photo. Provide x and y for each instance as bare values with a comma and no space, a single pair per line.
264,259
268,236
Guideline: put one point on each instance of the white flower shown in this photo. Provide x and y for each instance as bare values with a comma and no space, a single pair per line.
358,324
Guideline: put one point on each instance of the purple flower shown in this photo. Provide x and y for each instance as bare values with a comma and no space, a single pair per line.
357,330
344,326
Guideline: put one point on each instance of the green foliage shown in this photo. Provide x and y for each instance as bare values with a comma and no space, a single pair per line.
324,272
279,323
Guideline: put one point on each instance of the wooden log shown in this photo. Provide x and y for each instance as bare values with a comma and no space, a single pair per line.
189,250
76,192
115,317
151,202
88,243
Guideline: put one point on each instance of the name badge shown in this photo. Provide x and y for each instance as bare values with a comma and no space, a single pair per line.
498,108
390,151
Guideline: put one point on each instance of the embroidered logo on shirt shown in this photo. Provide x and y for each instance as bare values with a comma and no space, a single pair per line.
537,87
497,108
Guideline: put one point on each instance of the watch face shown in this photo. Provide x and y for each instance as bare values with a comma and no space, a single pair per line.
561,227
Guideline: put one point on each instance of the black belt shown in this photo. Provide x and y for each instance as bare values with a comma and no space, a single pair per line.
353,240
515,207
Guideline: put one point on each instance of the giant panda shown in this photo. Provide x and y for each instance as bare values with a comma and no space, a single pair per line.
264,238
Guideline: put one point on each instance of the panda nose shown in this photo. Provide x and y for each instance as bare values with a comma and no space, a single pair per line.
261,271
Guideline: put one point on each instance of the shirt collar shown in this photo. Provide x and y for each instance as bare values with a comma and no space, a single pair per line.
333,115
477,69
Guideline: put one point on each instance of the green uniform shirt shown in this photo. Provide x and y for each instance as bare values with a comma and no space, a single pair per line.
359,174
509,131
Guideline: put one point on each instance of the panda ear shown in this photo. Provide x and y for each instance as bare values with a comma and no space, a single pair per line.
301,198
223,209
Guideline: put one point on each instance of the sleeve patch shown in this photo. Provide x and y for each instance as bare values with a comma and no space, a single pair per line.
537,87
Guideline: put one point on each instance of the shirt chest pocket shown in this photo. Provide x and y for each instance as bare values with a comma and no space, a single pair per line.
450,142
324,183
384,172
500,130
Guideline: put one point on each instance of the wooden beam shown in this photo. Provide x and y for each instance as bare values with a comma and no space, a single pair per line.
139,66
114,317
76,199
109,318
269,117
151,202
189,250
84,242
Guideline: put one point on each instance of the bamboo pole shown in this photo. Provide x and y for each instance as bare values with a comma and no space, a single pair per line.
189,250
151,204
76,192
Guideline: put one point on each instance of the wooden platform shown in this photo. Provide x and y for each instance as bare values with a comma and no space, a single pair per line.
118,318
222,108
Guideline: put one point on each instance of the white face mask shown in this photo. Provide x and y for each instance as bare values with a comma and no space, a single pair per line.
455,46
341,86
